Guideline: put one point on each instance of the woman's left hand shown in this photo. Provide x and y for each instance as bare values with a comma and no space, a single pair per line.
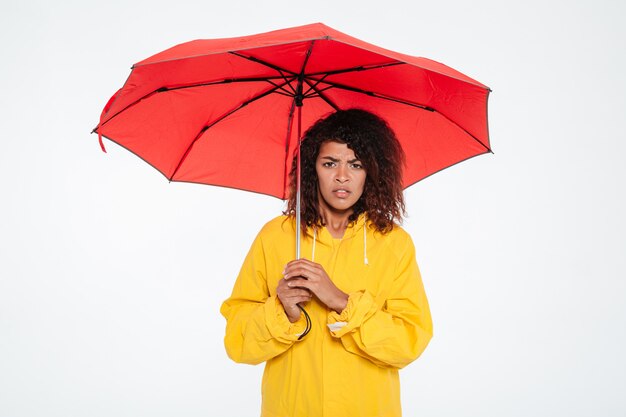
302,273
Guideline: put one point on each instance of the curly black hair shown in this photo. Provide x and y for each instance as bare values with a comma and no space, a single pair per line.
375,144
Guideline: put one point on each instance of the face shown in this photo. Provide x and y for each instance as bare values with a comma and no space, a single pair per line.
340,175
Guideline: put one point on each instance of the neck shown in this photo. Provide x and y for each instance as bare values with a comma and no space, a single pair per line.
336,221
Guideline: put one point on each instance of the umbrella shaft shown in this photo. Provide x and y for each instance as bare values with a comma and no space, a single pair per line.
298,174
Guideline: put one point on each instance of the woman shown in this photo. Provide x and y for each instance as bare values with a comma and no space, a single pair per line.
357,279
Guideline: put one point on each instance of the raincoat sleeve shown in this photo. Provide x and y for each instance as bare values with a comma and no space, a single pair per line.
390,331
257,328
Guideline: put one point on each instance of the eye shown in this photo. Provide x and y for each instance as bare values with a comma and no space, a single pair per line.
357,165
328,164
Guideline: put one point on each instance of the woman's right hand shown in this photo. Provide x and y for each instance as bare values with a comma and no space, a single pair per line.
290,297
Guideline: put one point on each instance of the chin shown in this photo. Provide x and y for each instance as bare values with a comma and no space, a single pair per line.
341,206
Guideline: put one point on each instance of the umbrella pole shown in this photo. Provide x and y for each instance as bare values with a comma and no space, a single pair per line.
298,174
298,221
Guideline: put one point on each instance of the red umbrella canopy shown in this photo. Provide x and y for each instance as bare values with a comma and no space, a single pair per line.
223,111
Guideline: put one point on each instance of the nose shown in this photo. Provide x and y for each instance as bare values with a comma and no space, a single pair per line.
342,174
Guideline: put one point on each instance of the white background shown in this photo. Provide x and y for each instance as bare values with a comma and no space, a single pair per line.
111,278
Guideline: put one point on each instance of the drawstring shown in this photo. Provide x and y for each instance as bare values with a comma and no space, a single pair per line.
365,261
313,250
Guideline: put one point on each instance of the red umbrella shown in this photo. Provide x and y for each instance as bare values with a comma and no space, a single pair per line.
223,111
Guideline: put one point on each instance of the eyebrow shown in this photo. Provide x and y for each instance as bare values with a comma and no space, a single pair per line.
330,158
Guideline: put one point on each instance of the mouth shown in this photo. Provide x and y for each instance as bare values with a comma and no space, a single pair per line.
342,192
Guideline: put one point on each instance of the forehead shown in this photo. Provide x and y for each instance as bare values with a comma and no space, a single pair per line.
336,150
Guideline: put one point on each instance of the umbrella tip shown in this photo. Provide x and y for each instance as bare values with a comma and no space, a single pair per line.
100,140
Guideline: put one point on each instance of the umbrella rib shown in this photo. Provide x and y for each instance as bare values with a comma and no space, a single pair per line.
219,119
125,108
356,69
322,96
287,92
315,93
166,89
267,64
224,81
306,58
376,95
405,102
293,90
312,87
487,148
280,70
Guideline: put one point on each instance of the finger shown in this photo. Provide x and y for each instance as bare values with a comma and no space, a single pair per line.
286,284
302,299
297,292
299,283
292,292
293,301
299,298
296,282
298,261
300,271
282,284
301,263
304,263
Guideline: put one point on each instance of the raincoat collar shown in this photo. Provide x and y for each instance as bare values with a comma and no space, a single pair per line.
324,237
351,231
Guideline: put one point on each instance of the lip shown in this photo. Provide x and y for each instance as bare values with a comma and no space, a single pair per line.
342,192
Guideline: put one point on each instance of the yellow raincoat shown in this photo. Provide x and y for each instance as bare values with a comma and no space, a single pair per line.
348,364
